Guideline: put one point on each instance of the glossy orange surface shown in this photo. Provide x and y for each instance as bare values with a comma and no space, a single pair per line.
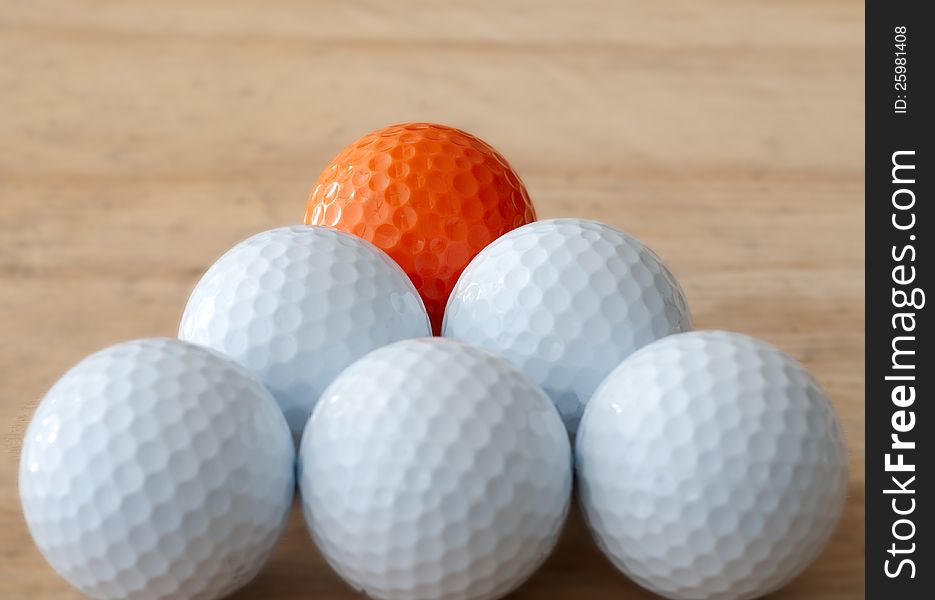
431,196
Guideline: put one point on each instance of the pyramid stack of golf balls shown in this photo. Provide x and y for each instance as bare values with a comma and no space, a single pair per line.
709,465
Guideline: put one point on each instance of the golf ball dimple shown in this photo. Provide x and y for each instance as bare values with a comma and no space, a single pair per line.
430,196
296,305
157,469
566,300
434,470
711,466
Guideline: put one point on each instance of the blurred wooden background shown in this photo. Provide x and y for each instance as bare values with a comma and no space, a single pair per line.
140,140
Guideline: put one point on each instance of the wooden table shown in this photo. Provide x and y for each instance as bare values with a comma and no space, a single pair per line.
140,140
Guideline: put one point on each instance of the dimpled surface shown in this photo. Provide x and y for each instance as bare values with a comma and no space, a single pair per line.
566,300
712,466
296,305
157,469
431,469
431,196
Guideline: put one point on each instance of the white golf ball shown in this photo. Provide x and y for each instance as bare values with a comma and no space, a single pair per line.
434,470
296,305
565,300
711,466
156,469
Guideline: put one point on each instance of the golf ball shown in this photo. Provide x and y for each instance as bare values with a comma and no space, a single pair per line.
431,196
296,305
566,300
156,469
434,470
711,466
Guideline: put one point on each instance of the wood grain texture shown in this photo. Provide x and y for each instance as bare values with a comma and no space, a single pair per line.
140,140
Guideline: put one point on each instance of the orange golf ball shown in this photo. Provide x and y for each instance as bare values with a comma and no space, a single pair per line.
431,196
